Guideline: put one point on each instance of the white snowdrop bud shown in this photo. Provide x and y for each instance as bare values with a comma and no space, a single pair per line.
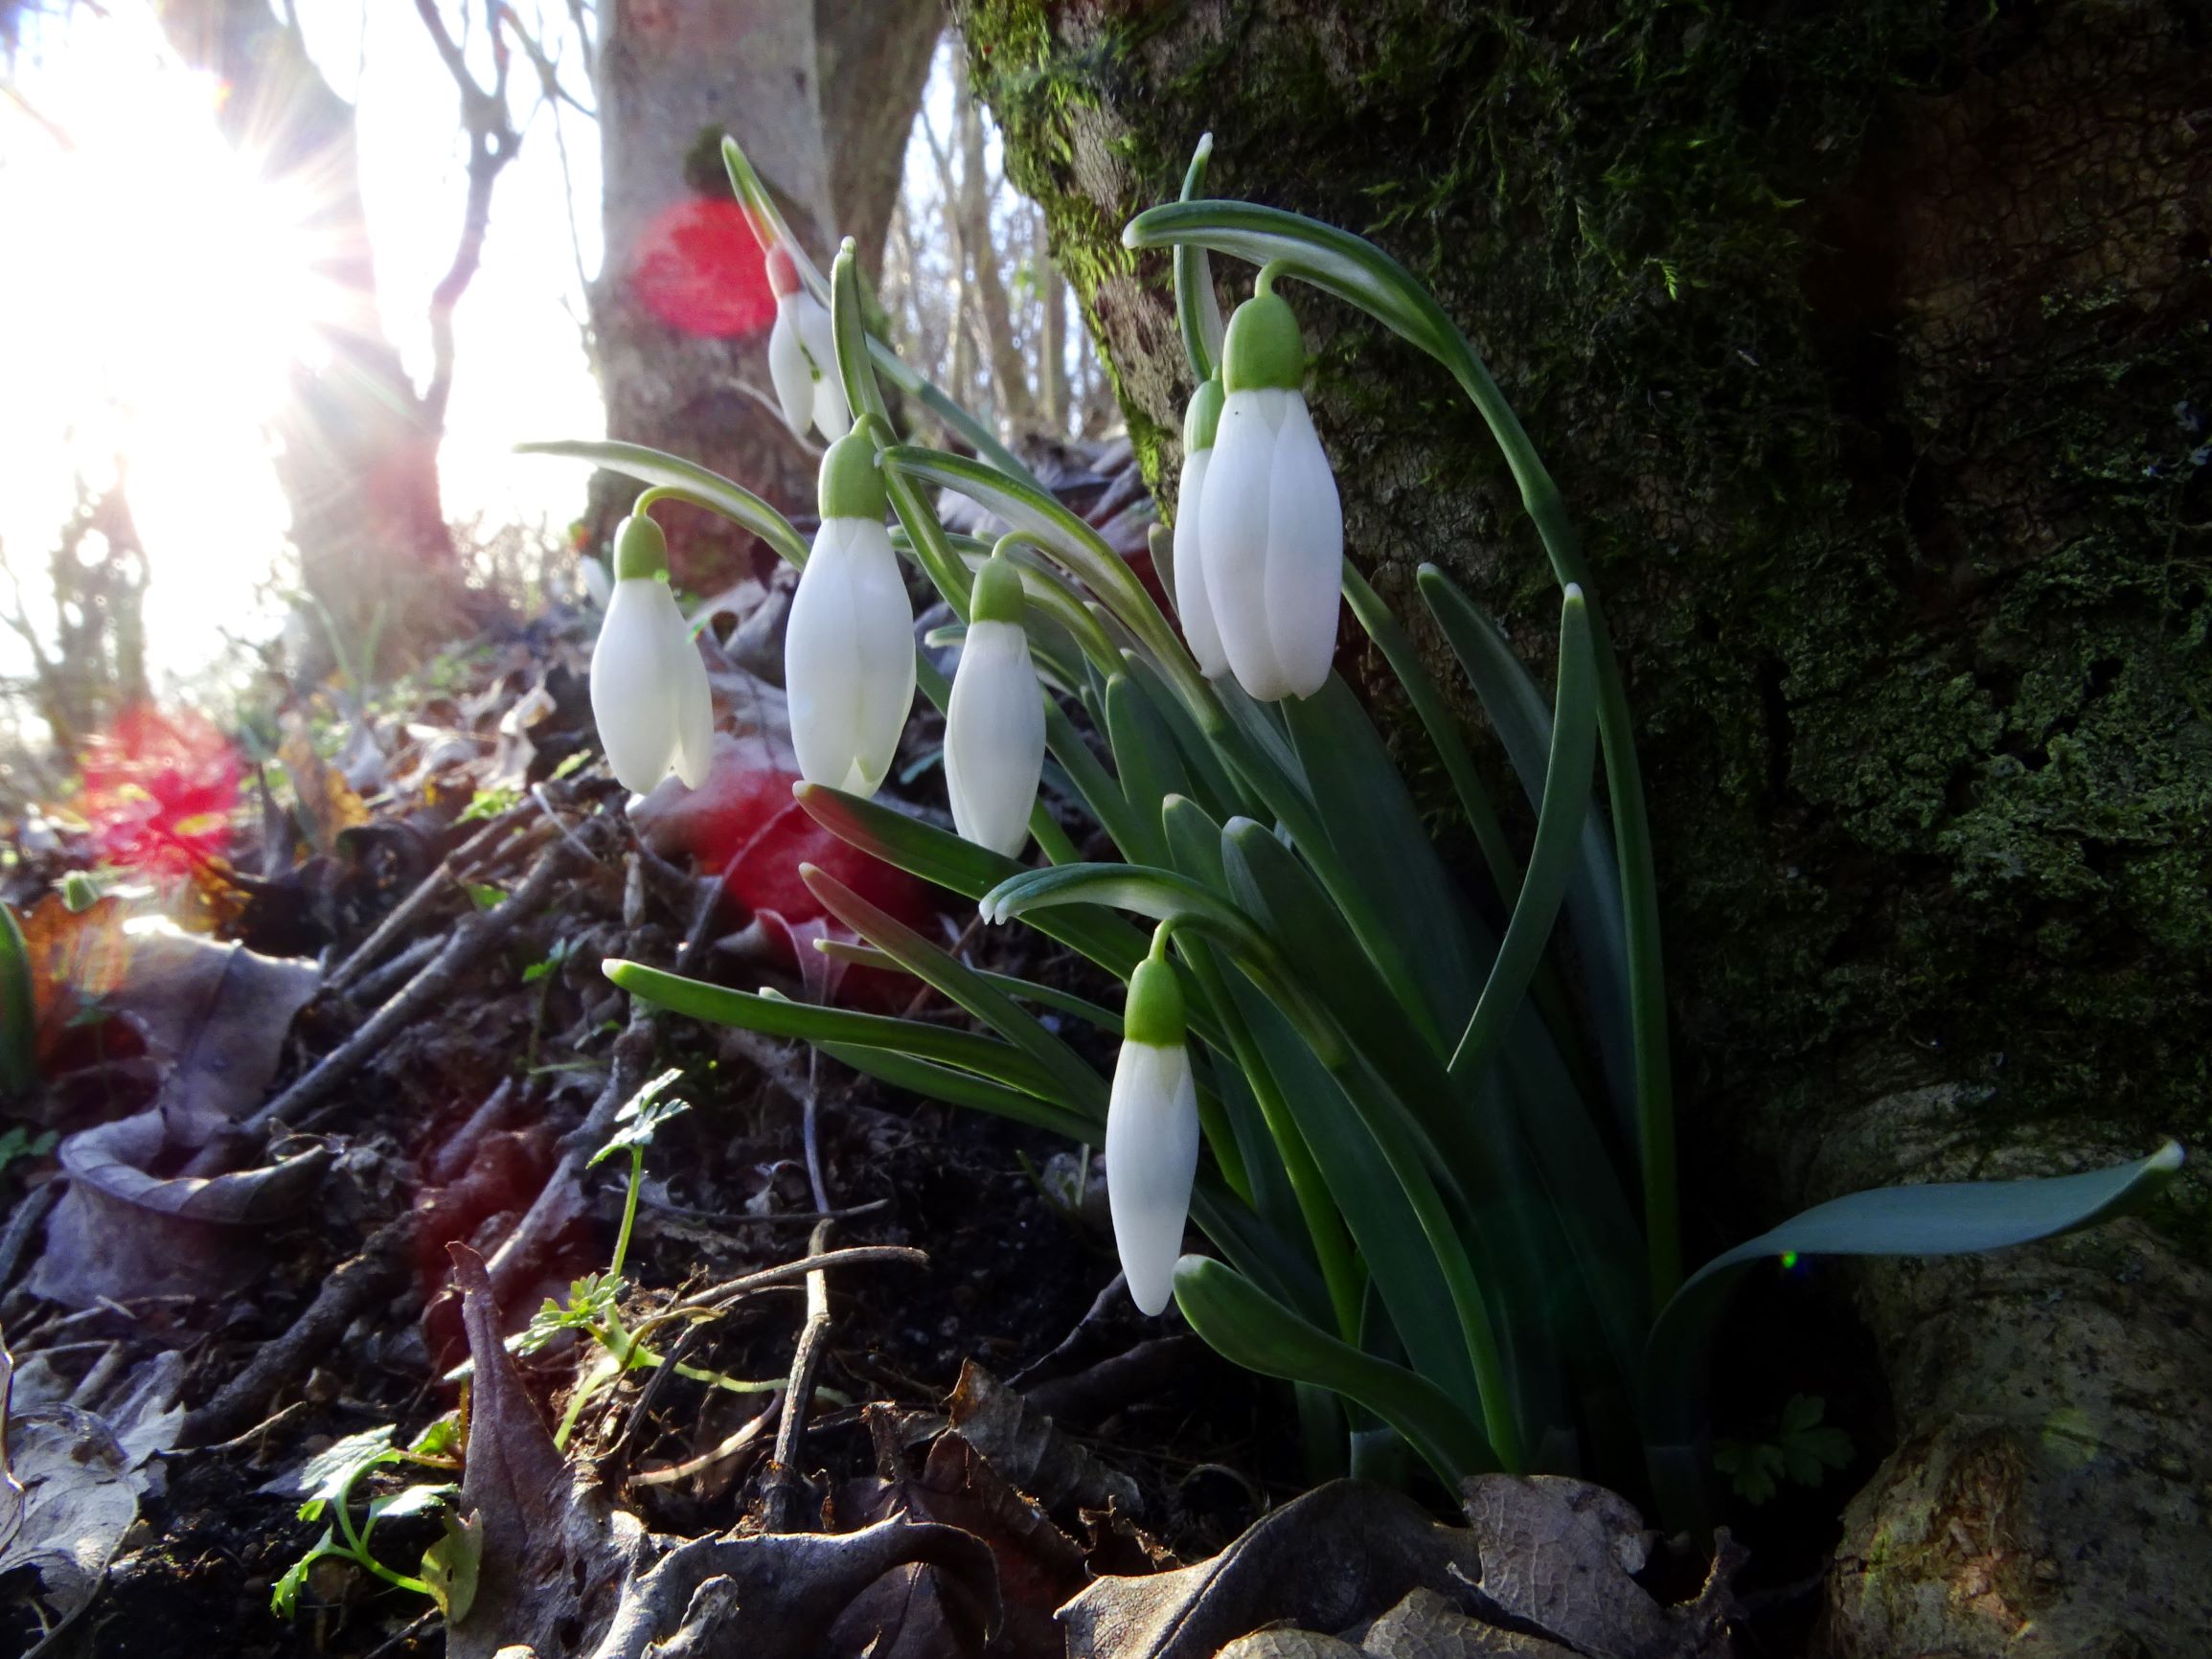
995,724
803,357
1191,605
1152,1137
649,685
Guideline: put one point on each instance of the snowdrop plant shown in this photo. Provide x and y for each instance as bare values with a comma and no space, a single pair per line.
1271,527
801,363
849,649
1151,1131
649,687
1431,1158
994,726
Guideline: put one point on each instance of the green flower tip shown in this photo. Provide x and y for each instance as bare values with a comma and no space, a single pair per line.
1205,416
1154,1013
998,596
851,486
1264,349
640,548
1205,146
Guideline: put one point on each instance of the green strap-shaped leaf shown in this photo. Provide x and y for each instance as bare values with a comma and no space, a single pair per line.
1071,1080
1419,942
780,1016
1517,712
696,483
1212,785
964,868
1144,756
1104,1019
1197,311
18,1012
958,1088
1559,836
1251,1329
1941,1219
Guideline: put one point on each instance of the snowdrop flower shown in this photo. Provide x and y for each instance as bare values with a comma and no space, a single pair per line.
802,357
1152,1137
1191,605
1271,527
995,724
649,687
849,647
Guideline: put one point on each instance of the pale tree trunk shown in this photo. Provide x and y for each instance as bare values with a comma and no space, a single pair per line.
1009,372
1052,392
1868,346
672,76
358,448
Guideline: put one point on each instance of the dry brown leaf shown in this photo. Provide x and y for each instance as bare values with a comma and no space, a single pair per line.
328,802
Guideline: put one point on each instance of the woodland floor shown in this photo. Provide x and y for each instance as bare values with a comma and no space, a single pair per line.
453,1128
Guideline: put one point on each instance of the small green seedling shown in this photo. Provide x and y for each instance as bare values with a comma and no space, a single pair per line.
330,1479
1801,1449
593,1301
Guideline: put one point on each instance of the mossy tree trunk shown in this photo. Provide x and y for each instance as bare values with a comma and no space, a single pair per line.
1872,346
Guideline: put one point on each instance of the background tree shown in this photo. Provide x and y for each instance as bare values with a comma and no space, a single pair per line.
358,442
1869,345
822,96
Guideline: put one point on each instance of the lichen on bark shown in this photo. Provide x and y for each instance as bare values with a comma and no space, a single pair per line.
1869,345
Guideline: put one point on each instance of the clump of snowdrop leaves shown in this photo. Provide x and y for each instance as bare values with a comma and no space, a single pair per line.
649,685
802,359
849,647
1151,1134
994,727
1271,527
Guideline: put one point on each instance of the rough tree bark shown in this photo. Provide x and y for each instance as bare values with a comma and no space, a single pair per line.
358,448
1870,347
683,358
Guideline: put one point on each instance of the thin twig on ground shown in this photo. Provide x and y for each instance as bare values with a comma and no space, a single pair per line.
471,939
444,878
238,1406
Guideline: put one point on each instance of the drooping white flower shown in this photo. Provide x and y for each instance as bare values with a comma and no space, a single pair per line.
849,647
1152,1137
995,724
803,357
1270,526
649,687
1191,605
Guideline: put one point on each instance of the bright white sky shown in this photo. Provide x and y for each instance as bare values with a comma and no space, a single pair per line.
154,297
153,293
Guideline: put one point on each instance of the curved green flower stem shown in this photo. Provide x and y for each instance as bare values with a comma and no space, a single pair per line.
681,480
1197,311
1357,272
1044,587
1340,1270
770,227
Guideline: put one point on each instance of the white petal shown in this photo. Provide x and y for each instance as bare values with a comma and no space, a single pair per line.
633,697
885,642
787,367
1305,556
994,738
1190,603
694,723
826,401
849,657
1233,536
1151,1156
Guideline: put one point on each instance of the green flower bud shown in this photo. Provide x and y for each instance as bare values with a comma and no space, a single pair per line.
640,548
1154,1013
852,484
998,596
1203,417
1263,350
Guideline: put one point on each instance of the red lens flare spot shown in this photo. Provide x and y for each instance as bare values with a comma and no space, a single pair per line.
700,270
160,791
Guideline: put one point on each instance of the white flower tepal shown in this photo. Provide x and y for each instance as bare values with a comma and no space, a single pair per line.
1152,1137
649,687
849,647
803,357
1270,526
1191,605
995,723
